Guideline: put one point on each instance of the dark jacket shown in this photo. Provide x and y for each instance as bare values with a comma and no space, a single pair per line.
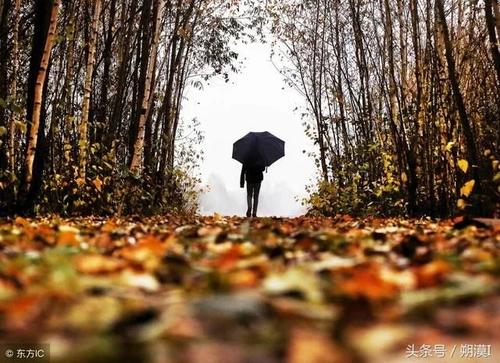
252,173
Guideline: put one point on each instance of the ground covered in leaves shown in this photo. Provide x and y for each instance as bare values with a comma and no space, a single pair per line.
220,289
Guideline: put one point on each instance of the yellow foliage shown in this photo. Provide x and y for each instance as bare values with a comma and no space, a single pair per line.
463,165
461,204
467,188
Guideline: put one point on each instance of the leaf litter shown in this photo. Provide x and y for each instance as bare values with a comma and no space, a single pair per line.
227,289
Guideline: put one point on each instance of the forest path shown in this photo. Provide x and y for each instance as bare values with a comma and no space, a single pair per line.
228,289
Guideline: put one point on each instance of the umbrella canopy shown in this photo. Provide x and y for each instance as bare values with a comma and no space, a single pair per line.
258,148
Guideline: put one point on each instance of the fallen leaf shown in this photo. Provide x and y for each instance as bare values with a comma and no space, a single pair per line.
432,273
366,281
140,280
311,346
97,264
294,281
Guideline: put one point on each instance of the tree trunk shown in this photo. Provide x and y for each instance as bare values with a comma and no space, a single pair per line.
457,95
123,63
87,88
496,11
13,89
66,97
106,73
38,91
5,9
490,24
135,165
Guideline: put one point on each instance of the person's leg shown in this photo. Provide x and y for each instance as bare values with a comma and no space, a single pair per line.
255,199
249,199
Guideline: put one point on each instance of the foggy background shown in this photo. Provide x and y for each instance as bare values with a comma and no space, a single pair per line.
256,99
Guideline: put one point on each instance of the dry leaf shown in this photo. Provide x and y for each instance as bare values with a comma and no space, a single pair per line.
294,280
97,183
95,264
311,346
366,281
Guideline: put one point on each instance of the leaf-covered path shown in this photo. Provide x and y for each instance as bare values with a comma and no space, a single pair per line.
223,289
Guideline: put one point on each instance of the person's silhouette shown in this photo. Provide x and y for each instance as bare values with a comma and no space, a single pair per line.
253,174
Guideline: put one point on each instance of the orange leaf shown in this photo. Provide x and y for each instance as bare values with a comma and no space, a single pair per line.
243,279
97,183
20,221
147,251
67,239
227,259
432,273
365,281
95,264
109,226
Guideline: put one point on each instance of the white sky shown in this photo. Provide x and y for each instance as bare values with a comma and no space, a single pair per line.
256,99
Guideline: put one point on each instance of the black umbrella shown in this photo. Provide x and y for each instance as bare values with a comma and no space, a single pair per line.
258,148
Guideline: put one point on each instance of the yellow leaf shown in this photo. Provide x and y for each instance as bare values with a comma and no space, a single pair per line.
449,146
461,204
3,130
80,181
463,165
467,188
404,177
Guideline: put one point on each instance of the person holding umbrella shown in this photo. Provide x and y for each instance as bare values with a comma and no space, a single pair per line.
256,151
253,173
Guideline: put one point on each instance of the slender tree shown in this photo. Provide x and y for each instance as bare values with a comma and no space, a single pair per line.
87,88
145,103
39,82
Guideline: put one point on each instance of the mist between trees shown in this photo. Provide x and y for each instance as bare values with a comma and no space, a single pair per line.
403,100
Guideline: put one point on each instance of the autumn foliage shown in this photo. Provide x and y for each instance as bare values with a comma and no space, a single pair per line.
220,289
